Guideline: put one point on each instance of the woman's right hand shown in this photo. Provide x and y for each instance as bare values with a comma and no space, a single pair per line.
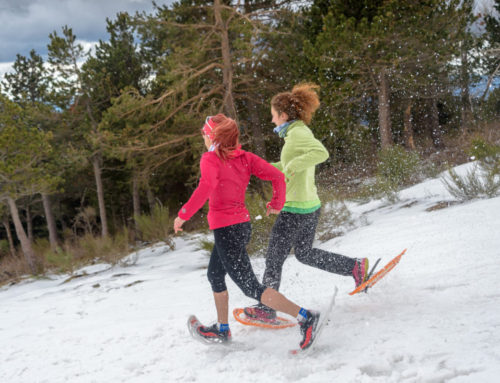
178,222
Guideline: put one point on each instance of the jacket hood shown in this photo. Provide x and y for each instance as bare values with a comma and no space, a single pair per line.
238,152
235,153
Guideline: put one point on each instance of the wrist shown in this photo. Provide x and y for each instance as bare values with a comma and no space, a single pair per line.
182,214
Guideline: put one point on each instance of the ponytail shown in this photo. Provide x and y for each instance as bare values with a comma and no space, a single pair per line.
225,136
299,104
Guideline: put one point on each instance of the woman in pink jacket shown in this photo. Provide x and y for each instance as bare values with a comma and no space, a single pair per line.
225,174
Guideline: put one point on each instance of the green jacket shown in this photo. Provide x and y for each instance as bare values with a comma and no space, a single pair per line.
299,156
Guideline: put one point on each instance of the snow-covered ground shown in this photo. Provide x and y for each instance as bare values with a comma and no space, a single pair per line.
435,318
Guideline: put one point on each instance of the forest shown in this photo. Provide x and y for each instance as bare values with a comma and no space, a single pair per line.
100,148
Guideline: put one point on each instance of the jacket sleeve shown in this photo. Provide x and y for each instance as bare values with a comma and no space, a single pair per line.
208,181
265,171
312,152
277,165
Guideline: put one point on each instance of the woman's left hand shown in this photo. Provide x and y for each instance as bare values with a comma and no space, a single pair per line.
270,210
178,222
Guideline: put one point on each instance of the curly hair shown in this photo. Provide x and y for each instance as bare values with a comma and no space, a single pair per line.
299,104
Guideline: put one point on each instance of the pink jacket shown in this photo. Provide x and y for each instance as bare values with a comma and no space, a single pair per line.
224,185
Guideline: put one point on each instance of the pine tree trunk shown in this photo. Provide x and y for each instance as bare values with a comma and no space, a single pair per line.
227,70
256,129
151,197
384,111
6,225
488,83
136,201
29,223
96,162
65,229
466,110
28,252
408,127
436,133
51,223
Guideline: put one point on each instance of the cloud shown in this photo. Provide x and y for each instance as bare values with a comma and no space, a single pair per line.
26,24
5,68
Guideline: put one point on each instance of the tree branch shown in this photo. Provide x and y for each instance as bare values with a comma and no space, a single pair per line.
490,80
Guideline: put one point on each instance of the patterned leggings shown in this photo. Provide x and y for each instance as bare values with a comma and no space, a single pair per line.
298,230
230,256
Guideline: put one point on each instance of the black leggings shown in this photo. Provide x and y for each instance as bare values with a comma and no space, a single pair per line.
298,230
230,256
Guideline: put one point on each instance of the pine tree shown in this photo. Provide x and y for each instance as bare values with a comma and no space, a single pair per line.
72,94
368,50
28,85
426,77
6,225
493,51
86,91
23,150
206,58
28,81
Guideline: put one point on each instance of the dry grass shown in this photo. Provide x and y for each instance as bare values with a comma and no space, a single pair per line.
74,253
457,146
13,269
344,181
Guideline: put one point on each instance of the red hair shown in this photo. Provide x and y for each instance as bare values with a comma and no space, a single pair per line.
225,136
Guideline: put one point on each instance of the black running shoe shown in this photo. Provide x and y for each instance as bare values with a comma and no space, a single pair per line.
213,334
308,329
260,312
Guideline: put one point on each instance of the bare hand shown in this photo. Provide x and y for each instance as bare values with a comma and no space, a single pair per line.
270,210
178,222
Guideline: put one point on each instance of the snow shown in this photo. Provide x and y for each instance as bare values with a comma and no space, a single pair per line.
434,318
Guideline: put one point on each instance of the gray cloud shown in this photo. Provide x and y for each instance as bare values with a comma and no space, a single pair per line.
26,24
15,6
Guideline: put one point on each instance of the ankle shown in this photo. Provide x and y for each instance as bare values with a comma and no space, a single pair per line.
302,315
223,326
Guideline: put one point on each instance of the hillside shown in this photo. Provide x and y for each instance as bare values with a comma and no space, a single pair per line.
435,318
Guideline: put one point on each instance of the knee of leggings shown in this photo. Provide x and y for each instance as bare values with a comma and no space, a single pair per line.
218,287
218,284
301,255
273,266
255,293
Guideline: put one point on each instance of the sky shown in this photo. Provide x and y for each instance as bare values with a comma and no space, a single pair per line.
26,24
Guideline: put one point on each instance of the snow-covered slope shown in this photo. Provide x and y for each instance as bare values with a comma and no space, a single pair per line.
435,318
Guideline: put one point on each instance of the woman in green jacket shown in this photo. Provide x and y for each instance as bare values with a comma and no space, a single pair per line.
296,223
